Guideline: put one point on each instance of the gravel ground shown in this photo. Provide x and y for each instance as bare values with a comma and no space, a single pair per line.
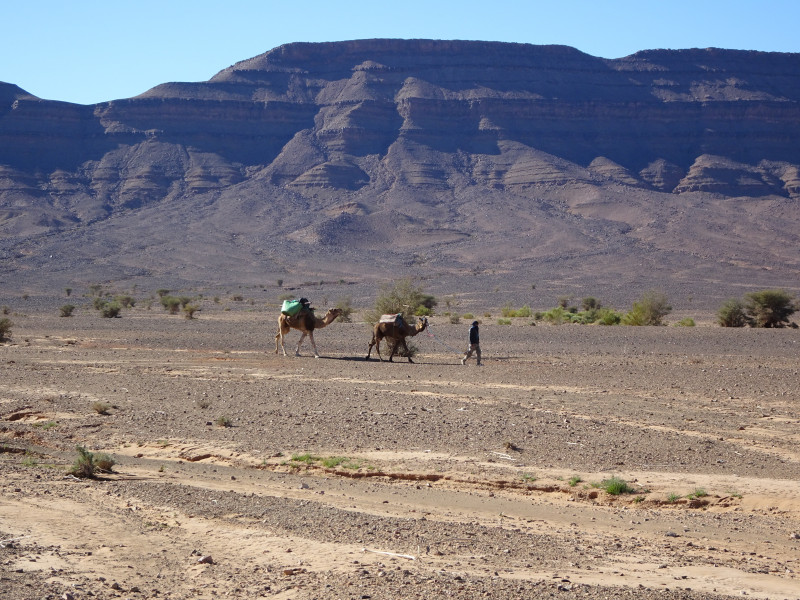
243,473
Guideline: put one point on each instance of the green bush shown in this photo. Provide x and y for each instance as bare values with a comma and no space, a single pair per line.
557,316
600,315
732,314
125,301
345,305
504,321
769,308
616,486
651,309
111,310
171,304
509,312
455,319
687,322
607,316
189,310
5,329
403,297
590,303
104,462
83,466
67,309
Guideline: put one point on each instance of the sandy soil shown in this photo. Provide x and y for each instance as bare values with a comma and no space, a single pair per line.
451,482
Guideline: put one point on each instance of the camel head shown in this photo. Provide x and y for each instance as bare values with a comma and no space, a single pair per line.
332,313
422,323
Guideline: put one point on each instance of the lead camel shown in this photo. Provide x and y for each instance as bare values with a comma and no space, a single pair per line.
305,322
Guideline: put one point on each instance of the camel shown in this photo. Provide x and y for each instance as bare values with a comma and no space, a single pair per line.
306,322
397,334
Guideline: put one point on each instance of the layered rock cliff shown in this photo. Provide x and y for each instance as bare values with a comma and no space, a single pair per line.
414,132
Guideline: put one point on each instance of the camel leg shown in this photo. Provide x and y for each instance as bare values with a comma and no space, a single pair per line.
369,350
394,349
300,341
408,354
313,344
279,339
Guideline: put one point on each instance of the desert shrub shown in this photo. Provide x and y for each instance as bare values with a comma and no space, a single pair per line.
467,316
403,297
6,310
171,304
574,480
125,300
687,322
651,309
345,305
189,310
101,408
237,298
99,302
224,421
413,349
331,462
616,486
511,313
732,314
769,308
590,303
111,310
5,329
162,292
104,462
504,321
455,319
608,316
95,289
524,312
698,493
68,291
556,316
83,466
67,309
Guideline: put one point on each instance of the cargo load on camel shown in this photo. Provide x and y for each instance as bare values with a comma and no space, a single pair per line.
397,319
291,308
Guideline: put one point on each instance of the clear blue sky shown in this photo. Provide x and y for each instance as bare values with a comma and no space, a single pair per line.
89,51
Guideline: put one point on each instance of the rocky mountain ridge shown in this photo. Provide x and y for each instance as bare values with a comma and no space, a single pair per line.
466,157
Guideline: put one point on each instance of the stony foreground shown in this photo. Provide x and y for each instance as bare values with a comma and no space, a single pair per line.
242,473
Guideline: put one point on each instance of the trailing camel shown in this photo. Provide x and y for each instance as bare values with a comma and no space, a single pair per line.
397,331
306,322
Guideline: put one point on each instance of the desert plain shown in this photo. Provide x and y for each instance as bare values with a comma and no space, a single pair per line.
241,473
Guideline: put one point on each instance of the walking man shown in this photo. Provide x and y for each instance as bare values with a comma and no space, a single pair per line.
474,344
